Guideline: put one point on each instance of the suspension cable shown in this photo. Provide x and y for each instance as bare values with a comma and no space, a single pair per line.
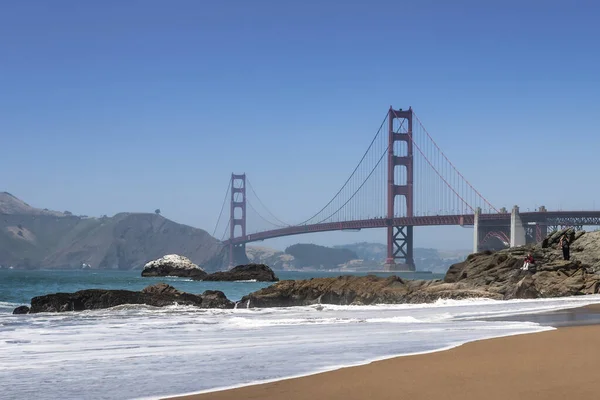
225,233
357,190
263,218
222,207
263,204
365,180
436,171
351,175
452,165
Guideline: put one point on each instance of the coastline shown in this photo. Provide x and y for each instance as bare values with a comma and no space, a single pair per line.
473,370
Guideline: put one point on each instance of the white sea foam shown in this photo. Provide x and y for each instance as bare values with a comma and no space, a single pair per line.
7,305
147,351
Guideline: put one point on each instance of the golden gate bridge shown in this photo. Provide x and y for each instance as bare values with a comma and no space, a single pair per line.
402,180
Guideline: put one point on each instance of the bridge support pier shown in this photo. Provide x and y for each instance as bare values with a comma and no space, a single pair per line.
517,229
541,227
476,237
237,254
400,242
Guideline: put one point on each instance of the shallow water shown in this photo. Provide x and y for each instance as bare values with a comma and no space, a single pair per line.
141,351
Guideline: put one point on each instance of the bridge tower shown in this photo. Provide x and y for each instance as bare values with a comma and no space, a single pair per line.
400,238
237,252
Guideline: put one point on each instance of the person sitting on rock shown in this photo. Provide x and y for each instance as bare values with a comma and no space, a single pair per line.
529,261
564,243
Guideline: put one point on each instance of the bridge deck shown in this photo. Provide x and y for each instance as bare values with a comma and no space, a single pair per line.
549,217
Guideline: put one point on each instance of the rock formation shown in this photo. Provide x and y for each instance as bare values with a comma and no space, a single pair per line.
356,290
173,265
158,295
248,272
21,310
496,275
552,276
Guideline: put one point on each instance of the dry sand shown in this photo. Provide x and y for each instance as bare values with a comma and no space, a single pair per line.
558,364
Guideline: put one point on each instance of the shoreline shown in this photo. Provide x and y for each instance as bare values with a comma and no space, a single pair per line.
192,395
569,319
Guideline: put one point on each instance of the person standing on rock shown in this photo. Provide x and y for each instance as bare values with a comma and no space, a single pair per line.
564,243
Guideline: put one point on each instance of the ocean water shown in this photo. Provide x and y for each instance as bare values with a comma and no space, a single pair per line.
17,286
134,352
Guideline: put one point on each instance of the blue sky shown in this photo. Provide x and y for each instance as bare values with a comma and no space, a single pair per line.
130,106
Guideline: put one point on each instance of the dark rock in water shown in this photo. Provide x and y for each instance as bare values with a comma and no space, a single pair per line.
496,275
173,265
158,295
215,299
21,310
247,272
161,289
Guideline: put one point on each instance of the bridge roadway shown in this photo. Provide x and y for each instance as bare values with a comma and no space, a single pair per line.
550,218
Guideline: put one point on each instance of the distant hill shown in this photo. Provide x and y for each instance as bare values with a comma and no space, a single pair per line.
277,260
375,252
35,238
312,255
301,256
351,257
426,259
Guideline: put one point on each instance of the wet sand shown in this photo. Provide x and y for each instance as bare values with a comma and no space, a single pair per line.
552,365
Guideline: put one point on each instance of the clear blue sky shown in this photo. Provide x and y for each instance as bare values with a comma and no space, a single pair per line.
134,105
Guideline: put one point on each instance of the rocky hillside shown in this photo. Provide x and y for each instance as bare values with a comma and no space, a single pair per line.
9,204
34,238
499,272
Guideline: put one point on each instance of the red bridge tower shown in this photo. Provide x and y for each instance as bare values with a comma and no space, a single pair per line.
400,238
237,252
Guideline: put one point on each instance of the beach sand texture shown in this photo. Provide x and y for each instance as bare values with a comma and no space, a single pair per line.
552,365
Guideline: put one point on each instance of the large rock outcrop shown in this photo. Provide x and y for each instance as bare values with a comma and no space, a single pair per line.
496,275
247,272
158,295
500,272
357,290
173,265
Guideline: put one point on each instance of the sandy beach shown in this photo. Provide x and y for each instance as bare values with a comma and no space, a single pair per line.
557,364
